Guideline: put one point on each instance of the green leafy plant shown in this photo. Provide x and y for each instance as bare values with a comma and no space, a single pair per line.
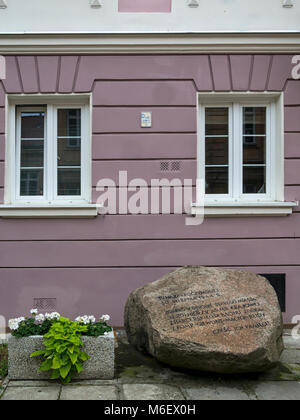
3,360
97,329
29,327
62,352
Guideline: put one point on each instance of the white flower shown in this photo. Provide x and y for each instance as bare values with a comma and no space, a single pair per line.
48,316
15,323
54,315
86,319
92,319
34,311
40,318
105,318
106,333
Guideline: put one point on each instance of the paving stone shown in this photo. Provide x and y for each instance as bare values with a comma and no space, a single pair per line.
291,343
278,391
94,382
90,392
151,392
31,393
218,392
32,383
290,356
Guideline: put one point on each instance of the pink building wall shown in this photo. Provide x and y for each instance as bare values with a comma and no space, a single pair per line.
91,265
144,6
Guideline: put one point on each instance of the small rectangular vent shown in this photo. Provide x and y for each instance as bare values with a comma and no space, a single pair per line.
172,166
175,166
44,304
278,282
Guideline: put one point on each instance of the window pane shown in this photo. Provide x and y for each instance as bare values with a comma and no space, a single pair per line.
32,125
216,151
254,150
69,122
32,153
254,120
216,121
31,182
69,182
216,180
254,180
69,153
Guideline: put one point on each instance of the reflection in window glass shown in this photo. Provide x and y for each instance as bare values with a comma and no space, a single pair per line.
69,182
31,182
32,154
69,152
254,150
216,150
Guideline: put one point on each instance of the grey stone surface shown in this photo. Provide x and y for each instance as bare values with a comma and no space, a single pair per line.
290,342
20,365
290,356
140,376
103,392
151,392
217,392
32,383
207,319
99,366
277,391
31,393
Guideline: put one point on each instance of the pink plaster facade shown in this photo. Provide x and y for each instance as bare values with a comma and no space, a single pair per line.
91,265
144,6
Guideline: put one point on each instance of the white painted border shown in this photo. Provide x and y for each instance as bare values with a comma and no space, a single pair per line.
285,42
82,100
240,204
274,208
42,212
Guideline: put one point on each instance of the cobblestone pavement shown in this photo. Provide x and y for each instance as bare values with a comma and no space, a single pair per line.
140,377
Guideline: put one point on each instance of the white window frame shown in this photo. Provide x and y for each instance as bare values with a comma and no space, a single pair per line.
237,203
50,204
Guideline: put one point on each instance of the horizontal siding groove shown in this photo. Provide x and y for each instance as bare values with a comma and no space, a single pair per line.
141,159
136,79
150,267
290,238
140,132
144,105
153,239
292,132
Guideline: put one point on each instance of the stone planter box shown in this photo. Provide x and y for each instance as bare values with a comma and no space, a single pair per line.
100,365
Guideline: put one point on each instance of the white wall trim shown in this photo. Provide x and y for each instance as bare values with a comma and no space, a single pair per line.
244,209
275,141
150,43
73,100
42,212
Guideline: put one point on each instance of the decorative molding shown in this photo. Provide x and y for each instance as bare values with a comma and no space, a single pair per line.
95,4
288,3
193,3
150,43
244,209
29,212
3,4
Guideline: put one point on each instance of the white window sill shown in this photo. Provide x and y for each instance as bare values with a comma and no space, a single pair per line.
54,211
240,209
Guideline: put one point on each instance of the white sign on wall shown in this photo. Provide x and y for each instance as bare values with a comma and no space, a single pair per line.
146,119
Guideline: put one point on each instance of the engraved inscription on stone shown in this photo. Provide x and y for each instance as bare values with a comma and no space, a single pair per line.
196,309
